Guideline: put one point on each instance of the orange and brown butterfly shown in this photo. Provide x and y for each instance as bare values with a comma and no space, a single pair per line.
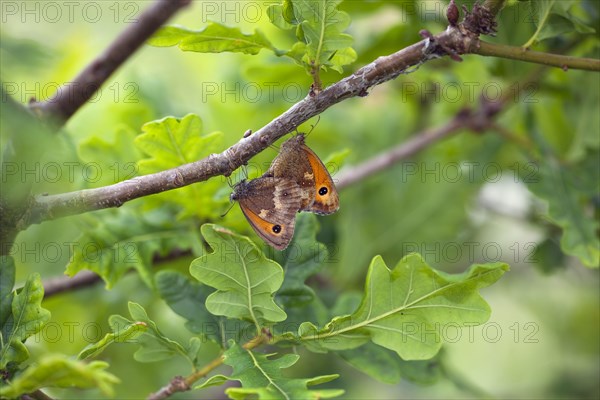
296,161
270,205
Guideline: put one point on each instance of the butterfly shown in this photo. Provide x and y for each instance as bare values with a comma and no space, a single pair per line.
296,161
270,205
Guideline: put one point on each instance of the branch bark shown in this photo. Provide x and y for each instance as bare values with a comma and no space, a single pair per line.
69,98
381,70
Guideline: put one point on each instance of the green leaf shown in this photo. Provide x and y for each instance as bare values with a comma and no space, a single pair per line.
244,278
121,333
116,241
541,11
282,15
140,329
57,371
215,38
569,191
7,282
26,319
187,297
385,365
320,27
563,20
303,257
262,377
404,309
171,142
154,346
117,160
315,312
215,380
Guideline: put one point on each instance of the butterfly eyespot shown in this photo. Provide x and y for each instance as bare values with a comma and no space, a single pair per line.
323,191
276,228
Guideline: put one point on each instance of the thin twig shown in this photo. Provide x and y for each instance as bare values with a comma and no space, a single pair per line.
537,57
180,384
69,98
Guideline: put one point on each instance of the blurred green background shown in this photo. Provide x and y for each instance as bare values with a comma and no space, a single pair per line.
542,339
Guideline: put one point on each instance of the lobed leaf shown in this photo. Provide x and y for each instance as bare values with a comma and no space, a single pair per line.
215,38
187,297
122,333
140,329
171,142
404,309
7,282
27,317
319,29
569,190
385,366
244,278
124,239
57,371
261,377
117,159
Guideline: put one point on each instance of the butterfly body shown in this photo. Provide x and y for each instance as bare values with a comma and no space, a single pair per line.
270,205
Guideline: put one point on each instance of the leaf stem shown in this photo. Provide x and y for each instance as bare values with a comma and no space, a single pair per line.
181,384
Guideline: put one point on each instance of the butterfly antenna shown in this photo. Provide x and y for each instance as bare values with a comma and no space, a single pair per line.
227,212
314,126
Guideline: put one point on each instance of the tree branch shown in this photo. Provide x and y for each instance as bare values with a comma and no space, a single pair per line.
85,278
523,54
69,98
354,174
381,70
61,284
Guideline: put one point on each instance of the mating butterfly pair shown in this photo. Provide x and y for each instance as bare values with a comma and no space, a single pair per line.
296,181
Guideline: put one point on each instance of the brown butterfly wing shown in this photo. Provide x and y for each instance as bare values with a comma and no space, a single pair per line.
292,163
270,206
326,196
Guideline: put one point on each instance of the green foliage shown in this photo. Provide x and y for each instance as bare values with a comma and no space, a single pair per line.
244,278
385,366
215,38
554,18
319,30
141,330
7,282
26,318
187,298
261,377
308,296
405,308
58,371
569,192
303,258
123,239
122,332
117,159
171,142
